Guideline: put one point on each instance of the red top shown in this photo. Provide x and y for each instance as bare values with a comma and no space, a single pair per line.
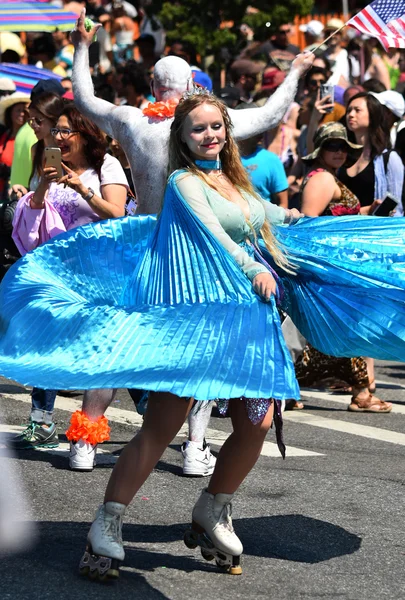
6,155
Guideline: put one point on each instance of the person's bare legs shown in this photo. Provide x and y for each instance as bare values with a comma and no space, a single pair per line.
164,417
241,450
371,375
96,402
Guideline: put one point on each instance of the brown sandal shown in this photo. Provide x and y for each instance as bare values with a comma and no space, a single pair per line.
370,404
294,405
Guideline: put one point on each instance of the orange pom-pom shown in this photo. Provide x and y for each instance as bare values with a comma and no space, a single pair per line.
161,110
93,432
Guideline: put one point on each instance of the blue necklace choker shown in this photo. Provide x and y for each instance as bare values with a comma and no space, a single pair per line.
209,165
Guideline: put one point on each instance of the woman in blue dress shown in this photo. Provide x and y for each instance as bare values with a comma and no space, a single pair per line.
218,193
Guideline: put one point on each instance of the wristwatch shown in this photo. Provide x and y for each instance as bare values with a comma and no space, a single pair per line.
89,194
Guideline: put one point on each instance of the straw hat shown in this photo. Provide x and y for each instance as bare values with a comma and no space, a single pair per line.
8,101
333,131
11,41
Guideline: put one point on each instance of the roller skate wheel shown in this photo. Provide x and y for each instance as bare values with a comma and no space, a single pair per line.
112,574
222,564
93,575
191,539
235,570
206,554
84,570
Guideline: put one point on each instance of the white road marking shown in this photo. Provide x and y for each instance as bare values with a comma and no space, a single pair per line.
128,417
374,433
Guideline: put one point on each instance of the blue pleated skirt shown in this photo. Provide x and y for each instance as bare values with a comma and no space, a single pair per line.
160,305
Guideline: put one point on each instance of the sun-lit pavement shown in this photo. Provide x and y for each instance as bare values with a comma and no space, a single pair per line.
328,522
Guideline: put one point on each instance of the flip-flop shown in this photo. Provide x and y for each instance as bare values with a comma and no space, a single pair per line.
376,406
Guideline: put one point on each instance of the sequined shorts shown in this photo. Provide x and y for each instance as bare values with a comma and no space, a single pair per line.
257,409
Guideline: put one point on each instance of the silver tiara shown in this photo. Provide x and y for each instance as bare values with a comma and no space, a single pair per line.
197,91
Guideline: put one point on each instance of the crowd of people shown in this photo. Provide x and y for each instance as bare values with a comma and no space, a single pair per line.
264,150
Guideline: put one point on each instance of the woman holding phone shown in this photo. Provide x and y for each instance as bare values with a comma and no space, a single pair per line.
92,187
379,169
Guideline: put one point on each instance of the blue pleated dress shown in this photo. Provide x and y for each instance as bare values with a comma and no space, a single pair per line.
159,304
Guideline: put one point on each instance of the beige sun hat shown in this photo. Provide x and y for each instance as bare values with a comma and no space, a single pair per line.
8,101
11,41
333,131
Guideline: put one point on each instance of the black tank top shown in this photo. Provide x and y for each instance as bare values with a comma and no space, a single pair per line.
362,184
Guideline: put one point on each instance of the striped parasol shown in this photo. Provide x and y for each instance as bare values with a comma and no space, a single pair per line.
25,76
32,15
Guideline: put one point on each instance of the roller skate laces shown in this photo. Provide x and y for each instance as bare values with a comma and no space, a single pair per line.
213,532
104,552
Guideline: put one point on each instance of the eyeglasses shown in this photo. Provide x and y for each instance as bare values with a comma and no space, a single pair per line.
337,146
35,121
64,133
284,31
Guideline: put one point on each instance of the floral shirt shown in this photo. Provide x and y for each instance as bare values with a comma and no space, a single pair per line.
70,205
347,204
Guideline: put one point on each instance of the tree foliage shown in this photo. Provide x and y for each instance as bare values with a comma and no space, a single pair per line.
199,21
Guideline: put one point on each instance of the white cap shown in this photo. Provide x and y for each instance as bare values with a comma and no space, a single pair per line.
394,101
314,28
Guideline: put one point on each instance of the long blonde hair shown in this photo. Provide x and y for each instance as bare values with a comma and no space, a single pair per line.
180,158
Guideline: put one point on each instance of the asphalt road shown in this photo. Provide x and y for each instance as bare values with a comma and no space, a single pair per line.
328,522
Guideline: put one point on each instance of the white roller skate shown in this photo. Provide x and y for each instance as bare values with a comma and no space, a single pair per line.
212,530
104,550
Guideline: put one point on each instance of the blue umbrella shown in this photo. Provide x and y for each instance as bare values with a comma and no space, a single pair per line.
25,76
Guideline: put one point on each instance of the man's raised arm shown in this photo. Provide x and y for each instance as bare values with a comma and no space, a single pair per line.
106,115
247,123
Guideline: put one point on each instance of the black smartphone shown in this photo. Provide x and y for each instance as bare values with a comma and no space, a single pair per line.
386,207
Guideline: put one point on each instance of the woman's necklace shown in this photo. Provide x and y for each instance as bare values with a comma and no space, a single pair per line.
210,165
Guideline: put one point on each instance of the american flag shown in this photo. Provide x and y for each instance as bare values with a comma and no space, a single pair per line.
383,19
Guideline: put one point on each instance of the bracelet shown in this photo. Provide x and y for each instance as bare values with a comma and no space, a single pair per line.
288,216
36,206
89,194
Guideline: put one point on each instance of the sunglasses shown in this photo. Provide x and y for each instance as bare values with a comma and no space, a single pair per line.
35,121
284,31
316,82
64,133
335,146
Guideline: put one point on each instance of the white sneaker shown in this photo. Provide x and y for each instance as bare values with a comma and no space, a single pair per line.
82,456
198,459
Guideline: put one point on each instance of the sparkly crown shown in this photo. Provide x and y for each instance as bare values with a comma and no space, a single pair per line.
197,91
